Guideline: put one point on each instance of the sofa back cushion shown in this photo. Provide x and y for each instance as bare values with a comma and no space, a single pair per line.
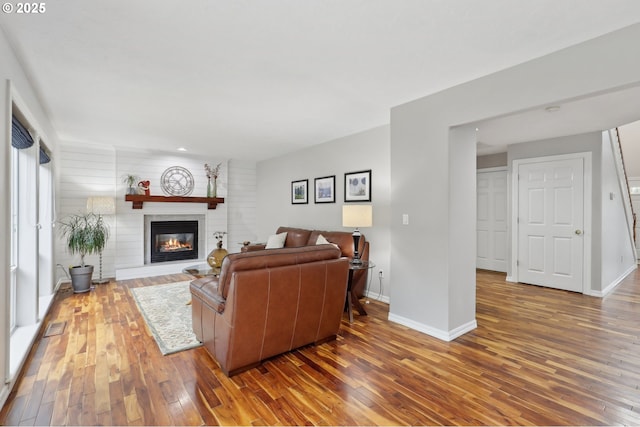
270,259
296,237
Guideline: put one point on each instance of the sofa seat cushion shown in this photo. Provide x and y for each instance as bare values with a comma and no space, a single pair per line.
206,290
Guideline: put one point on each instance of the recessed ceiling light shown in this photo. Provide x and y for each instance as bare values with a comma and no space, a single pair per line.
552,108
182,149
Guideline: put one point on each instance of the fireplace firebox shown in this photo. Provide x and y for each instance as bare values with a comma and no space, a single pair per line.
173,240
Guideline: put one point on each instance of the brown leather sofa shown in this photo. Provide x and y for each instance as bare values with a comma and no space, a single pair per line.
297,237
265,303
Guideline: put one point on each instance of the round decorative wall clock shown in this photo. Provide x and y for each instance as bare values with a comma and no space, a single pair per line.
177,181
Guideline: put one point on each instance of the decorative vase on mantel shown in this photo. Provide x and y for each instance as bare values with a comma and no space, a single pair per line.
214,259
212,188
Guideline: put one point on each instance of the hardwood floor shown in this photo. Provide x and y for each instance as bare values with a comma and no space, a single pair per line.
538,356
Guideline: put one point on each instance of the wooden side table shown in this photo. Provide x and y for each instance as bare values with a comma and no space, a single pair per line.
352,298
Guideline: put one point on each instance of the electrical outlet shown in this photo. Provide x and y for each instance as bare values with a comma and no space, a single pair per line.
380,273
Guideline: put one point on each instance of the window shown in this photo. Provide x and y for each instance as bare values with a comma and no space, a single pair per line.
14,234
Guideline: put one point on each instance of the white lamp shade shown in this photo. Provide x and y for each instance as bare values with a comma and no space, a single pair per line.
357,216
101,205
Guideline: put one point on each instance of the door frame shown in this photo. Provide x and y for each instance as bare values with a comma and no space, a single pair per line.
586,158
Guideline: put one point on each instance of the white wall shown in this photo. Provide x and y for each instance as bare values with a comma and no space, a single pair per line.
85,170
361,151
241,203
424,251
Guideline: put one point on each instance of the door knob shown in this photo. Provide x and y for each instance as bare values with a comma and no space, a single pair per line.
578,232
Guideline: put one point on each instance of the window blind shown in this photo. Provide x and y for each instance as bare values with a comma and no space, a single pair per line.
44,156
20,137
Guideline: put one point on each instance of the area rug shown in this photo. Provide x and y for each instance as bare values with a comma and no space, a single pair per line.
167,311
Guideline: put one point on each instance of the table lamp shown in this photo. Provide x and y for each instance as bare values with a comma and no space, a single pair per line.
357,216
101,205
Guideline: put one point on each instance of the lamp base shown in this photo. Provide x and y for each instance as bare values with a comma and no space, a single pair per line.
100,281
356,242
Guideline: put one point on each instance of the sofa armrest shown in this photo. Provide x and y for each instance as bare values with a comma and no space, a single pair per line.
253,247
206,290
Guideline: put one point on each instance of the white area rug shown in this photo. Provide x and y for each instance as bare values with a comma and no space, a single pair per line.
166,310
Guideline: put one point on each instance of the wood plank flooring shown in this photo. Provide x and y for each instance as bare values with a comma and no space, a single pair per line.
538,357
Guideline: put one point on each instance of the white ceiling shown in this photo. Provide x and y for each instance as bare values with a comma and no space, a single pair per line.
596,113
257,79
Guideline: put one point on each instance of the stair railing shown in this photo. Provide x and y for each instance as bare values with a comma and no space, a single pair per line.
626,180
616,147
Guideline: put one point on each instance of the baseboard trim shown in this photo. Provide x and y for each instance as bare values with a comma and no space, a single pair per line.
612,285
158,269
377,297
4,393
434,332
60,283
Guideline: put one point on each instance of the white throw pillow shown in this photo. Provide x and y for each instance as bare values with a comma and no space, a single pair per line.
321,240
276,241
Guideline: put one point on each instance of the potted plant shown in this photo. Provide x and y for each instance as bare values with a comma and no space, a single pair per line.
86,234
130,180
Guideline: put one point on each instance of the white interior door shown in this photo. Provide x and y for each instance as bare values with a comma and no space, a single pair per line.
491,228
551,223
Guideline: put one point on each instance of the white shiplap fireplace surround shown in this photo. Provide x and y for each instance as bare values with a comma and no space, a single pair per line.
131,248
132,259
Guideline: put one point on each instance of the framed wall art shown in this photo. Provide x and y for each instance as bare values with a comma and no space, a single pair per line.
300,192
357,186
325,189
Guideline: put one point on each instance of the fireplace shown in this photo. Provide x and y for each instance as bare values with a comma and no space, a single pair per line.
173,240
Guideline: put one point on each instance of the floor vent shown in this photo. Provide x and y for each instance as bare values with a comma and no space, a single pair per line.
56,328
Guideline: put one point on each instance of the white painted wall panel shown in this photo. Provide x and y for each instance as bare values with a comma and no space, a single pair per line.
86,170
241,213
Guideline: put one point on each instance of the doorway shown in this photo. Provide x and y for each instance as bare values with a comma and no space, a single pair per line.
551,217
491,219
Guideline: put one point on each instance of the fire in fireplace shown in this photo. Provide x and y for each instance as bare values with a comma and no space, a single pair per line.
174,240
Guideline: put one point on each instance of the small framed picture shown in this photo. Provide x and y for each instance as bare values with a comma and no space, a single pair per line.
325,189
357,186
300,192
